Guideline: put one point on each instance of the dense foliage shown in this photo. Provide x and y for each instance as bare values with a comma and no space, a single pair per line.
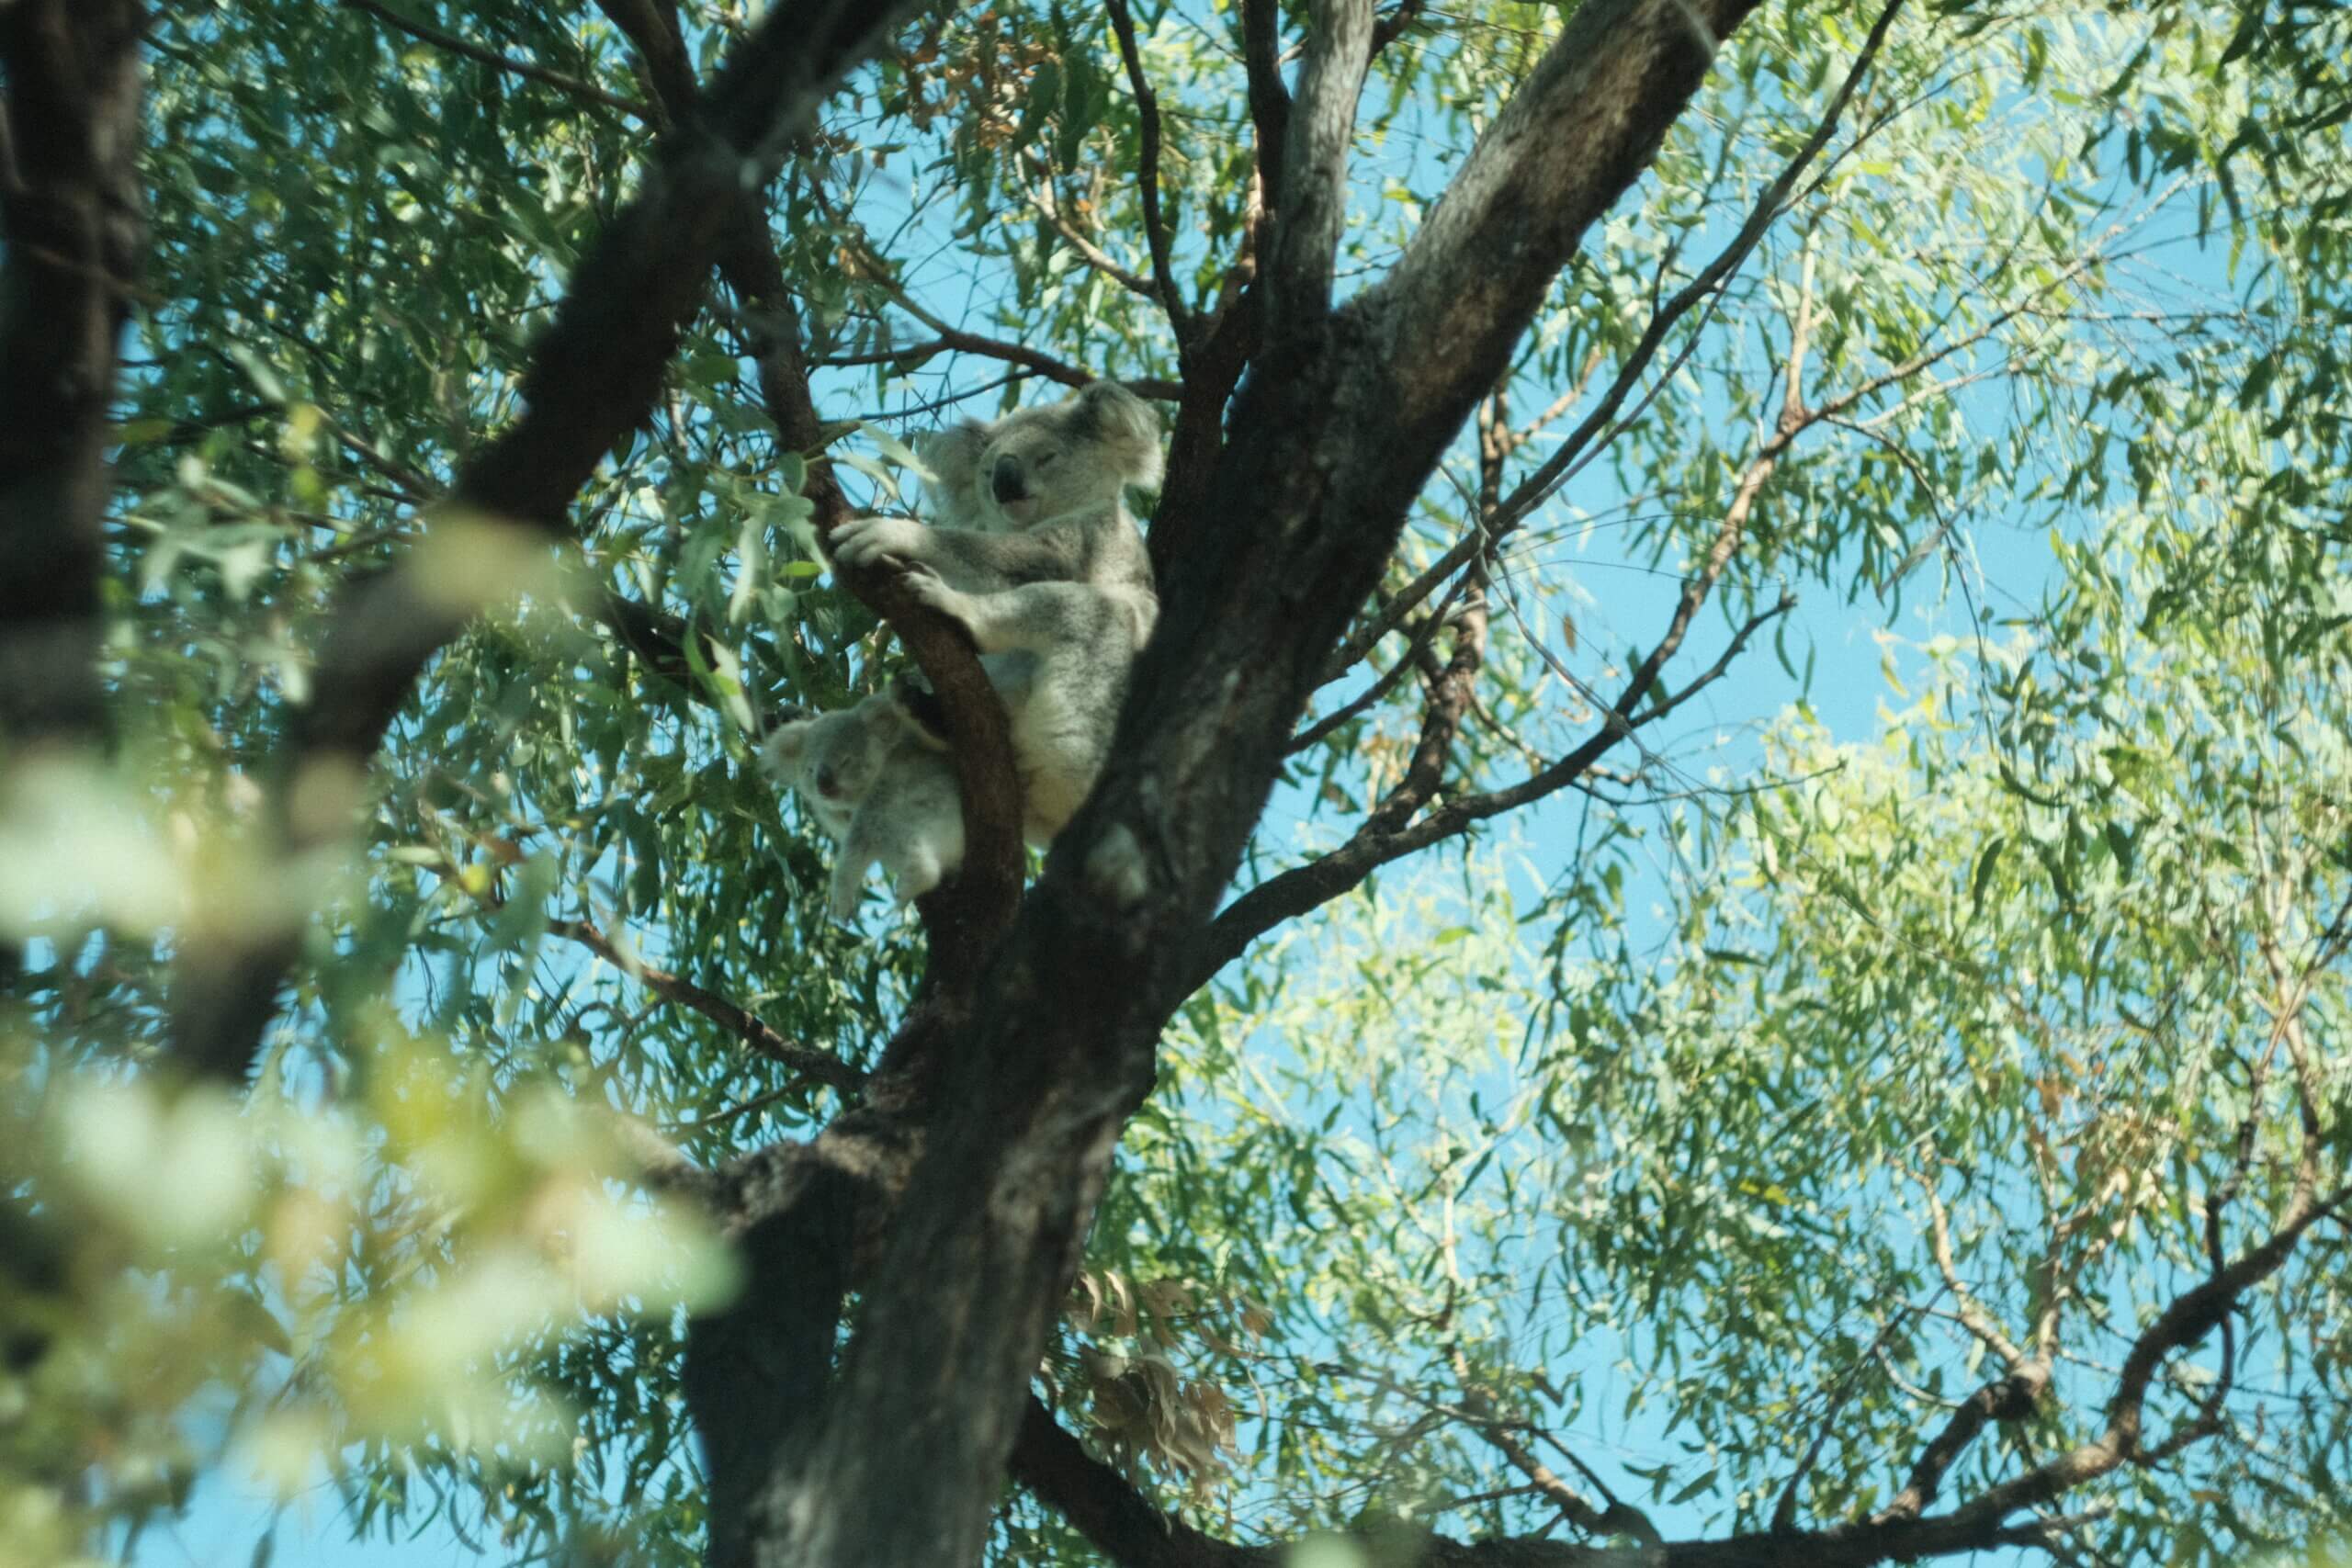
1784,1105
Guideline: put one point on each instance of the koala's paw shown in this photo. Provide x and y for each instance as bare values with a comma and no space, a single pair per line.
921,873
848,897
930,591
1116,868
862,541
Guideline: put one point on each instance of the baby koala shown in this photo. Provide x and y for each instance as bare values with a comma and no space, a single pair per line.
880,791
1037,558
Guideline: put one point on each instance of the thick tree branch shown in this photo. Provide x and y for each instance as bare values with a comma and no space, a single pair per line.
1311,208
594,375
1268,99
2190,1317
2011,1398
652,30
1768,208
746,1026
1125,1525
452,44
1547,477
69,196
1397,23
1132,1532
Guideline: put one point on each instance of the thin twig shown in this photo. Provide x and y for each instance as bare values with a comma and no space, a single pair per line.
826,1069
1042,198
1155,232
512,67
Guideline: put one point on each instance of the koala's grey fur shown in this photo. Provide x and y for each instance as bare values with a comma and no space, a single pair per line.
880,791
1040,562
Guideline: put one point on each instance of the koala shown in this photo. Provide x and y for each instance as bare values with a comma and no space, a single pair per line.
1037,558
880,791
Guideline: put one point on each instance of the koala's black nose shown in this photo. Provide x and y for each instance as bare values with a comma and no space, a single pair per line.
1008,482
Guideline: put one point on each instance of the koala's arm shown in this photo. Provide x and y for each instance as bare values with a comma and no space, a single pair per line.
973,561
850,866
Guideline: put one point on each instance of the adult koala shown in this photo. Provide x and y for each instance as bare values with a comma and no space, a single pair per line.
1037,558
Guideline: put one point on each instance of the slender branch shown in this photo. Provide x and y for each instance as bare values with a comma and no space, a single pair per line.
195,429
1549,475
2191,1315
1973,1314
1767,208
1392,615
964,915
827,1069
1386,835
1155,230
1395,24
1574,1507
1042,198
1450,696
451,43
1784,1511
954,340
1294,892
1387,682
1268,99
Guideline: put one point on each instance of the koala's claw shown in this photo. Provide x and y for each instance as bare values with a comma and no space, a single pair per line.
930,591
864,541
926,587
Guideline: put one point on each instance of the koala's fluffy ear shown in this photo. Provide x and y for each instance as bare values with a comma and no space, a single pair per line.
954,457
782,748
1125,425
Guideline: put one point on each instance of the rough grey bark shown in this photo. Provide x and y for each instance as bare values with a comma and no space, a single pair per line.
69,197
1335,429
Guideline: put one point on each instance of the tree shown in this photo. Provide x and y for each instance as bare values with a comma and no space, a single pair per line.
425,1044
